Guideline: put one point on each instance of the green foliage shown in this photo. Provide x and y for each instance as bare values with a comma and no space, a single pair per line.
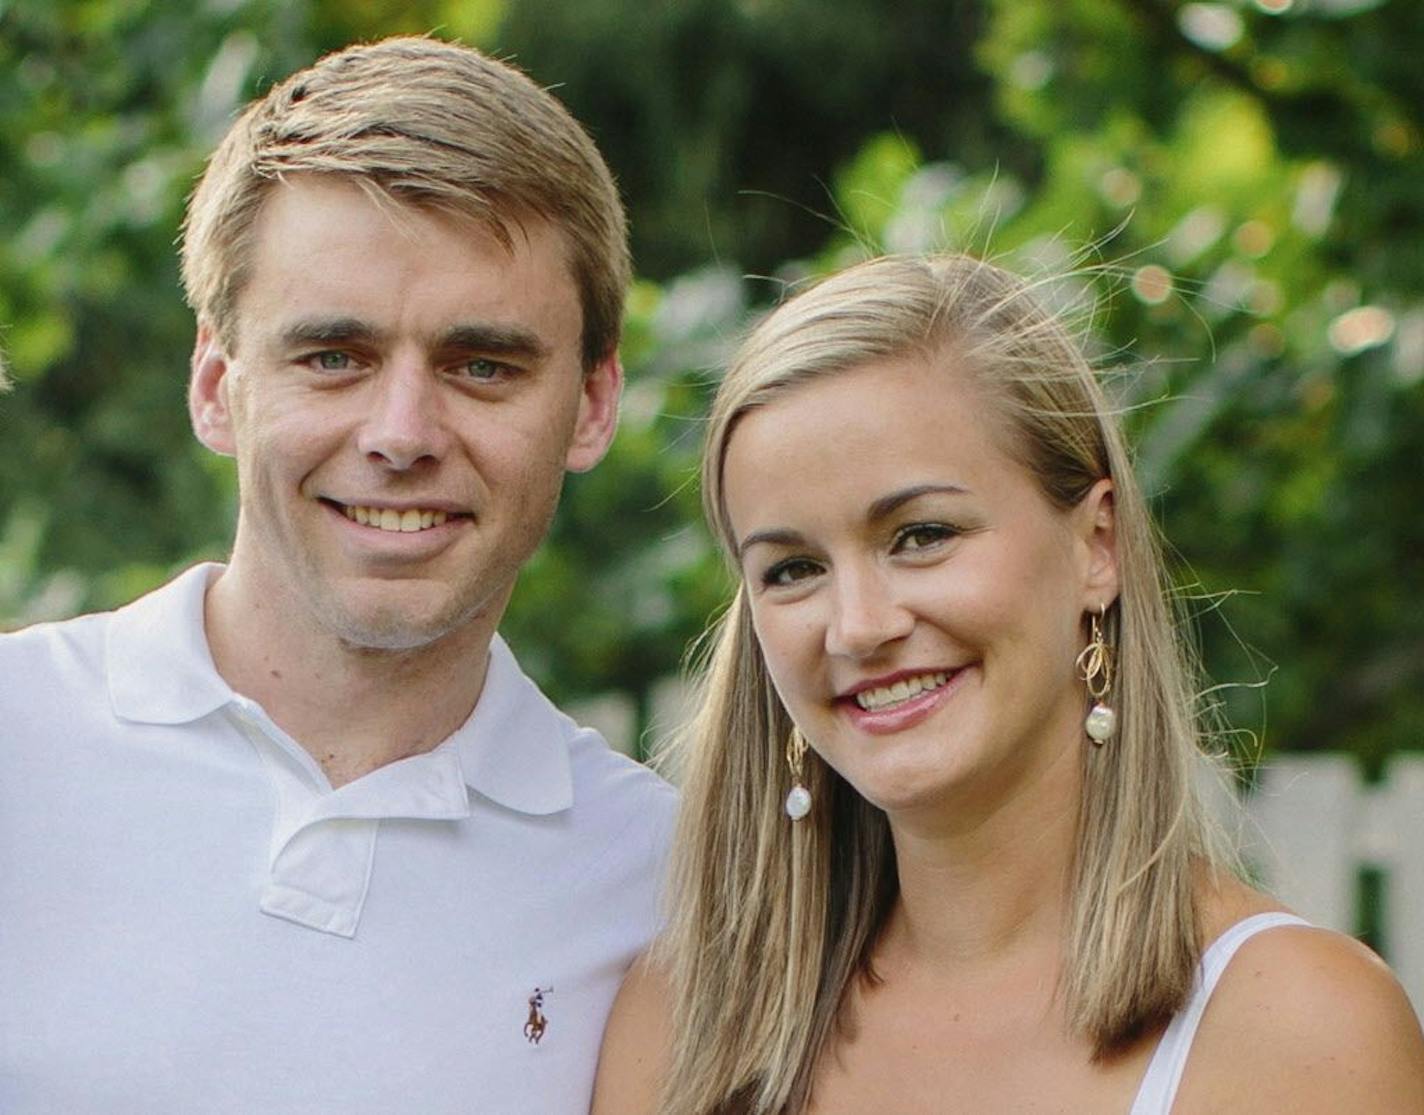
1235,196
1271,176
725,120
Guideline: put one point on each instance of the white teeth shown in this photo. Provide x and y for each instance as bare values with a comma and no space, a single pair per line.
389,519
902,690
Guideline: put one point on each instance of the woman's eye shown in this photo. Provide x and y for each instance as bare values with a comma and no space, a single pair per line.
789,572
921,536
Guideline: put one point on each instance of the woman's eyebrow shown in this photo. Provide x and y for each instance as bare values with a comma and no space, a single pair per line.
774,536
883,507
888,504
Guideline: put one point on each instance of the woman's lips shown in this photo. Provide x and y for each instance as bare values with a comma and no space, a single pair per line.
884,719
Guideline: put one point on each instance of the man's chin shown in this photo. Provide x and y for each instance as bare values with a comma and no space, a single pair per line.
392,625
388,639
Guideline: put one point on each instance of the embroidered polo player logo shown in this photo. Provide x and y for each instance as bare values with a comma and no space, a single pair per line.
536,1023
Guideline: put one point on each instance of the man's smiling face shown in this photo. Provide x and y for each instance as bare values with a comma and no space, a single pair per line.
403,398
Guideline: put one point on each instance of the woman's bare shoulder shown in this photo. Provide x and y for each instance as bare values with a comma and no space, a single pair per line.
1306,1020
635,1049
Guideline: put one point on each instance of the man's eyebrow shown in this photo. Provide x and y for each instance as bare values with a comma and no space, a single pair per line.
329,331
501,340
888,504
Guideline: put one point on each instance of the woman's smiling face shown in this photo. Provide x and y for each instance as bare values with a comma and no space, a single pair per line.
918,600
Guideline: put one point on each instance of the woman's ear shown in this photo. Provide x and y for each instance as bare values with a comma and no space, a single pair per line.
1096,517
208,406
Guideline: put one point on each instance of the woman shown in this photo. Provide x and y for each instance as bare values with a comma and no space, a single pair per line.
940,850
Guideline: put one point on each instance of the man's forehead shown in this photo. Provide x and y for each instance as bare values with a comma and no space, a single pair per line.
328,249
512,228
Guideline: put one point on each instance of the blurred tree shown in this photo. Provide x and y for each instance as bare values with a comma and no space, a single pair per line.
725,119
1270,157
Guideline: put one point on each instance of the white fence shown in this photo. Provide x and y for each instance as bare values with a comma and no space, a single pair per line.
1311,828
1316,826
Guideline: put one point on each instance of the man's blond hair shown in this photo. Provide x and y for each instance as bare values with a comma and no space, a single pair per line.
422,122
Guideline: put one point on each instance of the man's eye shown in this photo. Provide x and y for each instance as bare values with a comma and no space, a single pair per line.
332,361
481,368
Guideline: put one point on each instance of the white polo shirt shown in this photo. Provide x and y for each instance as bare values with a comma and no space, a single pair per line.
192,920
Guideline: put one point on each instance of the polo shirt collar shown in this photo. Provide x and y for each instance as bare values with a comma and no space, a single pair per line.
160,668
513,749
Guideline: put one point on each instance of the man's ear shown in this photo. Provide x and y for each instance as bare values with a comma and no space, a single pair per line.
208,405
597,415
1097,529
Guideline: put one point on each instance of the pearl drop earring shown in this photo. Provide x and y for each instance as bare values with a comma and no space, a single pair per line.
1096,666
798,801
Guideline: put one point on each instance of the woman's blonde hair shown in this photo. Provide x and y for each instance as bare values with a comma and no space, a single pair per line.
772,920
427,123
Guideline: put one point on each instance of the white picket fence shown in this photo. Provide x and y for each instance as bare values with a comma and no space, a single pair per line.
1307,831
1316,825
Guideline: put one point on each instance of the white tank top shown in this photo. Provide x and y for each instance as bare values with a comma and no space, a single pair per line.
1164,1074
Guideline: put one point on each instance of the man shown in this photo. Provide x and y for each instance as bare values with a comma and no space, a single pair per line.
295,834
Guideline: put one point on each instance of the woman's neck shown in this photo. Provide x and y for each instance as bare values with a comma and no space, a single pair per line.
985,881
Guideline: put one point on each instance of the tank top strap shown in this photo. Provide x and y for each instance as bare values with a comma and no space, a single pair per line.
1164,1073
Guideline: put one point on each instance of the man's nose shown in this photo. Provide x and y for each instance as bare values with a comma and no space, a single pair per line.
406,424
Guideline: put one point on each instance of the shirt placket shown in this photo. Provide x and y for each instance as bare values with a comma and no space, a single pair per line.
323,842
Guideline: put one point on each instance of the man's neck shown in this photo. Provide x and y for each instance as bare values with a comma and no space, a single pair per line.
353,709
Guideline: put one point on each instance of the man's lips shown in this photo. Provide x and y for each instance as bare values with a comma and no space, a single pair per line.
404,517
